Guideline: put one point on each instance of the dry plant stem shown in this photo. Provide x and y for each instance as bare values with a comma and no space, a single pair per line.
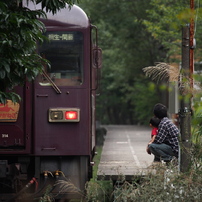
162,71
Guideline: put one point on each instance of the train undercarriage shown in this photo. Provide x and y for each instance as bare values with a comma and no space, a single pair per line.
35,178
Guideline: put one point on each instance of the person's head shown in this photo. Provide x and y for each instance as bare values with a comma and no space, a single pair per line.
154,122
160,111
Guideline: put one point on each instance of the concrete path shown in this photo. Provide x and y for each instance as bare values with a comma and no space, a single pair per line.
124,152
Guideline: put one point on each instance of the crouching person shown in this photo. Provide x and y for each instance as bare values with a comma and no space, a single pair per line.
165,147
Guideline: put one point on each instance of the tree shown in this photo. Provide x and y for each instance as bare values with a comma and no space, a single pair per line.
134,35
128,96
20,31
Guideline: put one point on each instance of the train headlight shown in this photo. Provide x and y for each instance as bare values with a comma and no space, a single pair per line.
56,115
64,115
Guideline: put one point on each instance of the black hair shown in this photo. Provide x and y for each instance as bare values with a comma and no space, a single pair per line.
160,111
154,121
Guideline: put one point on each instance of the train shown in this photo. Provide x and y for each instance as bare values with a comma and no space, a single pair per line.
48,139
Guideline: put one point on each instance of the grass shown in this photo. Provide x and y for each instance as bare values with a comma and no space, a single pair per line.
98,190
96,160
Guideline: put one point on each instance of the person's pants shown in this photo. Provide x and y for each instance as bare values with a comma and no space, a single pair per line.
162,151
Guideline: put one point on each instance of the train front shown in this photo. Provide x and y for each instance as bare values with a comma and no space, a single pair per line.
57,116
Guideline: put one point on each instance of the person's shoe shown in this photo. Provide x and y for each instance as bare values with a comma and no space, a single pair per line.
155,165
172,162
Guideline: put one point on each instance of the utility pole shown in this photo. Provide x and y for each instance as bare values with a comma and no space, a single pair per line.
191,42
186,92
185,109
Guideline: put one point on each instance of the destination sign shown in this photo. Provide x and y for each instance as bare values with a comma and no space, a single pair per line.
61,37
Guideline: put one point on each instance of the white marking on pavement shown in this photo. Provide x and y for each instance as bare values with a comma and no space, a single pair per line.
121,142
132,150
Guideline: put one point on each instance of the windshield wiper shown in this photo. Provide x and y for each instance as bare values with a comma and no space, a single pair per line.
55,87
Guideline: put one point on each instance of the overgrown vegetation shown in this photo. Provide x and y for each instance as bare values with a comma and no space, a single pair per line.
98,190
168,184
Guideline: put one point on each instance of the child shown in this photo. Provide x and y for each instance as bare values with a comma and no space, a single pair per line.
153,123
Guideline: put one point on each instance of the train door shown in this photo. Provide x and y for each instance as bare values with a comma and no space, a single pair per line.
59,91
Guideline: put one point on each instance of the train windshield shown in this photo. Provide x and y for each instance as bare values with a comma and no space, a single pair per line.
64,50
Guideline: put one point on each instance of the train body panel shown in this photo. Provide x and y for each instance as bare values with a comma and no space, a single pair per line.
16,123
62,138
51,132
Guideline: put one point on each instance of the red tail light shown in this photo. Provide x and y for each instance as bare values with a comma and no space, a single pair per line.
71,115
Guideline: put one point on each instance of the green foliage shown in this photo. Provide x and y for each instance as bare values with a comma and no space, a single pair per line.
54,5
19,31
197,124
164,186
127,48
147,92
134,35
98,190
4,96
165,21
47,196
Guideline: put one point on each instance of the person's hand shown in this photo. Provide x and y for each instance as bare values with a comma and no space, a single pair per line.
148,150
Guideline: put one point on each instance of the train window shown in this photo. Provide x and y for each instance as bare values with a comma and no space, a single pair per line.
64,50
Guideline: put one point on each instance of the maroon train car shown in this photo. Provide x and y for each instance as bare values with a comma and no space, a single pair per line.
51,132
